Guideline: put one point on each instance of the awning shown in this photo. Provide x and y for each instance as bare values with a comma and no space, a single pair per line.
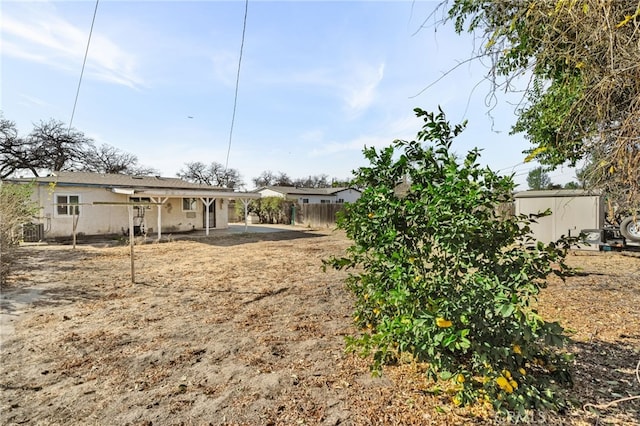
127,191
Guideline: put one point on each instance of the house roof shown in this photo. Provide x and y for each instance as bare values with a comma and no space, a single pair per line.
120,180
150,185
292,190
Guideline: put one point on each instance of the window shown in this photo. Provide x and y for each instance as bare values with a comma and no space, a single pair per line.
140,200
340,200
143,200
305,201
325,201
63,207
189,204
140,209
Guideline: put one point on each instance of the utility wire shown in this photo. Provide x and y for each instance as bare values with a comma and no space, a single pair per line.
84,62
235,98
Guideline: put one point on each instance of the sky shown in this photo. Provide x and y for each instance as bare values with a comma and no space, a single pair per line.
319,80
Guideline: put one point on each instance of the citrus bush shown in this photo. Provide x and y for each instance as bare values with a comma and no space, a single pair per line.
443,271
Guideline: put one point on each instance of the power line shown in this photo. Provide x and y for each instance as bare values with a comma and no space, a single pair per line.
84,62
235,97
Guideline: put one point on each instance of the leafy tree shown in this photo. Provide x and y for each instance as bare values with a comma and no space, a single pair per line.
572,185
538,179
214,174
109,159
441,275
584,94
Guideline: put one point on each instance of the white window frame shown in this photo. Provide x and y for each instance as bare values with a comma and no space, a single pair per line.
193,205
305,200
68,210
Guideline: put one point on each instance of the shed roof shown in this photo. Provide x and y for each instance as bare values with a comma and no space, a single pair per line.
558,193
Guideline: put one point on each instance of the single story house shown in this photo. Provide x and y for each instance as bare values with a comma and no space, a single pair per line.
311,195
103,204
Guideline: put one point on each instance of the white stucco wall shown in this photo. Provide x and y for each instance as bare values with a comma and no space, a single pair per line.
265,192
348,195
316,199
113,219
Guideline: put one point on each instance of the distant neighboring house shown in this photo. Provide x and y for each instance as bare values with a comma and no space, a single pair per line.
311,195
99,204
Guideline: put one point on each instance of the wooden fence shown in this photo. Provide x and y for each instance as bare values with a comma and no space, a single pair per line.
317,214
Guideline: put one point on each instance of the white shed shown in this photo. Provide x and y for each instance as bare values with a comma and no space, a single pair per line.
572,211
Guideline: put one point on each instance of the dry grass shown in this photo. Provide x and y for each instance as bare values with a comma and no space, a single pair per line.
248,330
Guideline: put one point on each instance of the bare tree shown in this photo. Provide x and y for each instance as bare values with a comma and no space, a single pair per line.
52,146
214,174
109,159
315,181
269,178
12,149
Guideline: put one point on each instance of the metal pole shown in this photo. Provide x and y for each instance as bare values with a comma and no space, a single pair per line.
159,220
207,203
73,225
131,241
246,214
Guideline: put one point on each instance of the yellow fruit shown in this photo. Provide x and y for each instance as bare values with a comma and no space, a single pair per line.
443,323
460,378
504,384
517,349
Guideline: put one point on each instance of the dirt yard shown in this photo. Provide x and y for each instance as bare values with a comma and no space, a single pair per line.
248,330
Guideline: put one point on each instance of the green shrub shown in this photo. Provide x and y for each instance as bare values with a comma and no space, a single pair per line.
16,208
271,209
443,273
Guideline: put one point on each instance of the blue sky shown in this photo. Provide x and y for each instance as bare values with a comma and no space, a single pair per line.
319,80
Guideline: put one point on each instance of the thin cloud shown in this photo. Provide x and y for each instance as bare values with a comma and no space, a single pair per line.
355,85
361,93
356,144
404,127
32,100
49,39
